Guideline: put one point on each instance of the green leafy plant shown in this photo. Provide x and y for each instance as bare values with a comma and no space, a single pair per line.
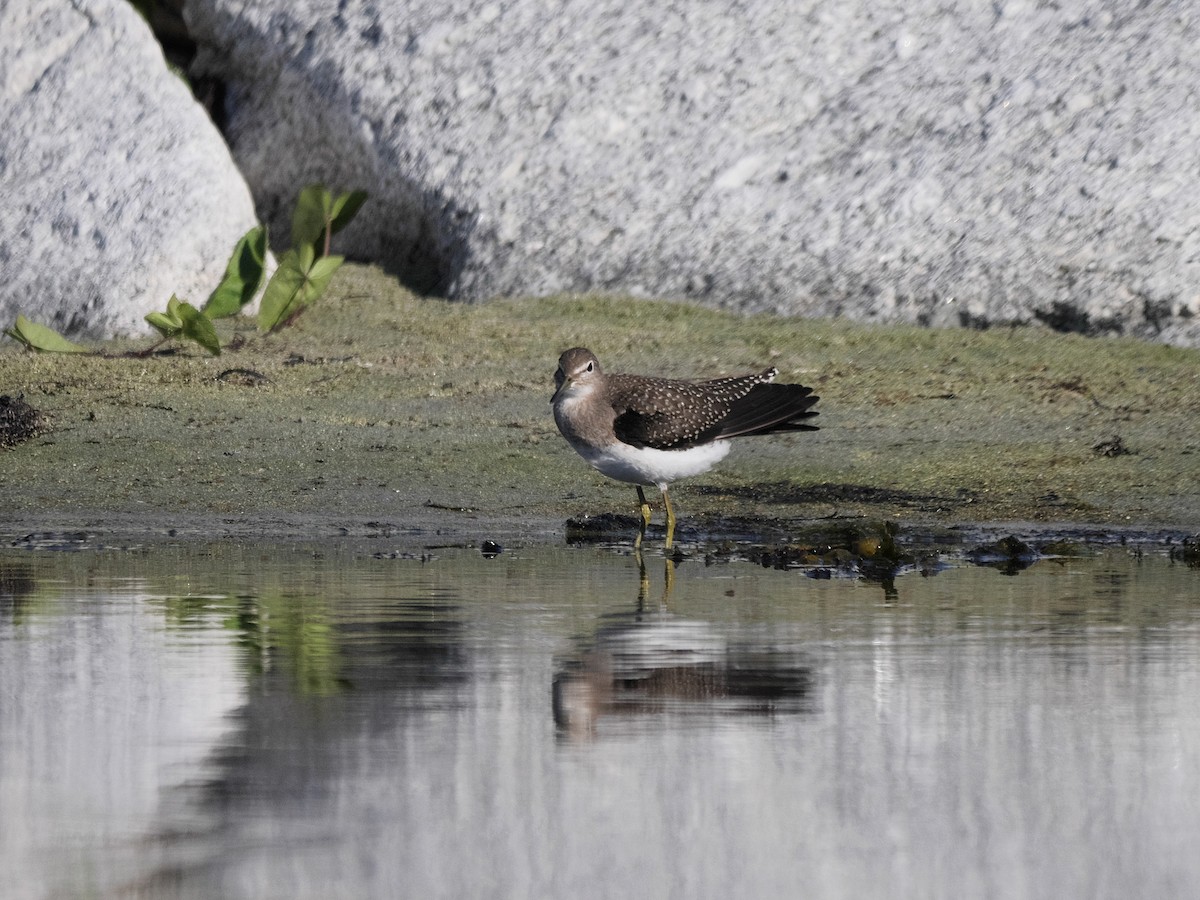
302,276
305,270
182,320
243,276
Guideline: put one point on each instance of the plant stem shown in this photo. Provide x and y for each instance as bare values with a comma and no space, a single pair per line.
138,354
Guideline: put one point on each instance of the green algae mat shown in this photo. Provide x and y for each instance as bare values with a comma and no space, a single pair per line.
378,412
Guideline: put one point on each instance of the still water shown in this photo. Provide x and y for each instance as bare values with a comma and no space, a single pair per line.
293,722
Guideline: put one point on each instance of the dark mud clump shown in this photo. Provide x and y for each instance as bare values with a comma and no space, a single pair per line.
1009,555
604,527
18,421
1112,446
1189,552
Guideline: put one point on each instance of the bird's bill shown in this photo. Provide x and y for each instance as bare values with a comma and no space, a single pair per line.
561,381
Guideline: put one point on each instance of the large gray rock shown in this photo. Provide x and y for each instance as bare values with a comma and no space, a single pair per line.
117,189
961,164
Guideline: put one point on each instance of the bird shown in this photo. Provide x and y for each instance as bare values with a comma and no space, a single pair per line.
648,431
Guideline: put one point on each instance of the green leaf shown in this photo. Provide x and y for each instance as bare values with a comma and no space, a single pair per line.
300,279
320,272
345,207
281,297
243,276
167,324
313,211
40,338
199,328
164,325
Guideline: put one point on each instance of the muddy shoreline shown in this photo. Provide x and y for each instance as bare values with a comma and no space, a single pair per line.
383,416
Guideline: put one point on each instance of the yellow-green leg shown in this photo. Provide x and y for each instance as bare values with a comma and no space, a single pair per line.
644,506
670,518
644,579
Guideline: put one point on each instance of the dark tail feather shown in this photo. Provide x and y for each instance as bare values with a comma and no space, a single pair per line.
767,409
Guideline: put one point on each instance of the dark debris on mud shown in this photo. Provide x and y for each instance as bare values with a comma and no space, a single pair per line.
600,528
783,492
1112,446
1188,552
18,421
871,550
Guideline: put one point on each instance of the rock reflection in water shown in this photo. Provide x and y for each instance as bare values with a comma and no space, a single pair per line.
298,736
396,657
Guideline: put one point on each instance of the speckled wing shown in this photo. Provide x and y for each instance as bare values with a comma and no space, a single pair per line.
673,415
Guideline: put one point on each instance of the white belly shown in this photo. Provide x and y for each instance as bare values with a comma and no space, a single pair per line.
645,465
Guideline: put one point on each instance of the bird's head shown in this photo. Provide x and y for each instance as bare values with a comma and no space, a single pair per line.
578,369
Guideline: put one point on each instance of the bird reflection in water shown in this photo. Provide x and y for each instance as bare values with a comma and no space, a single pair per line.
655,663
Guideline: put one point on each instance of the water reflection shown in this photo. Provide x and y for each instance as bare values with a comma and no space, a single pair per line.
16,583
652,662
327,722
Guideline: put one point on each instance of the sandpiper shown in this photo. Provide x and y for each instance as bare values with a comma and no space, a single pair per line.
653,431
